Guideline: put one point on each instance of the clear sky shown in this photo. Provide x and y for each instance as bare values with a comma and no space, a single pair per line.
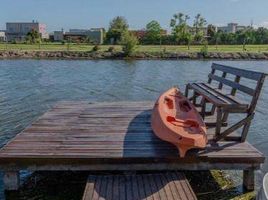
67,14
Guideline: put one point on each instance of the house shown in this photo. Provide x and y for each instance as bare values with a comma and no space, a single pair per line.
140,34
231,28
93,35
97,35
58,36
192,30
18,30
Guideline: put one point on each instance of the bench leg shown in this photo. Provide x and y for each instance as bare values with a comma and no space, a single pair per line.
219,121
213,109
233,128
225,117
203,105
245,131
194,98
11,180
186,93
248,179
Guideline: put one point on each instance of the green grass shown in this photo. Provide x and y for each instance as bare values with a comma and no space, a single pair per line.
140,48
218,185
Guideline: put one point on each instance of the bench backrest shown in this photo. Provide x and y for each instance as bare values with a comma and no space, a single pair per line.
235,84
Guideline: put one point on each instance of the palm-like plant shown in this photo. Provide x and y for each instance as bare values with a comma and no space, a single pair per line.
180,28
199,24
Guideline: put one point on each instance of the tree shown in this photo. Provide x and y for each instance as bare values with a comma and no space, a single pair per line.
118,26
211,31
230,38
199,23
245,37
189,40
33,37
261,36
217,38
129,42
153,32
180,29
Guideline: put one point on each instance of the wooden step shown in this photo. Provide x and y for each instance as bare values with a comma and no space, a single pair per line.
164,186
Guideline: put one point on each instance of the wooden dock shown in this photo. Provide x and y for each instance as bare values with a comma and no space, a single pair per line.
165,186
113,136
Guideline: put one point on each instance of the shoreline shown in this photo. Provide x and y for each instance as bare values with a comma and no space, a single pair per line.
105,55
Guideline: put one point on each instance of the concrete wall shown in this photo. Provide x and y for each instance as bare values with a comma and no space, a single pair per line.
2,36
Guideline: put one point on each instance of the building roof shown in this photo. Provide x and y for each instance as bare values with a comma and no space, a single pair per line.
22,22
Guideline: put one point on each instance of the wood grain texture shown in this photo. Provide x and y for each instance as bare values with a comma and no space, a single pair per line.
164,186
110,133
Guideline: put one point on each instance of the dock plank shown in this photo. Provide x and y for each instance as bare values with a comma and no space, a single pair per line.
145,187
112,133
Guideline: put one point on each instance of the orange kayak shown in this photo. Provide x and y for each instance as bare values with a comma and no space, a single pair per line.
175,120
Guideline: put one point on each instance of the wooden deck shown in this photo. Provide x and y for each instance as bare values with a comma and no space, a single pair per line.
112,136
165,186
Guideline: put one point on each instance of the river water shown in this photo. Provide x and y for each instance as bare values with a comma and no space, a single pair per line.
28,88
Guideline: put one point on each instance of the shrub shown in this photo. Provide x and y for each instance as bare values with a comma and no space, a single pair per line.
204,50
111,49
129,42
96,48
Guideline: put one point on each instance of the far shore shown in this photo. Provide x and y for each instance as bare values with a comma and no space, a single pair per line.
142,52
138,55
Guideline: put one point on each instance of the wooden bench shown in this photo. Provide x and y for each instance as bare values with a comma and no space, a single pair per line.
225,102
166,186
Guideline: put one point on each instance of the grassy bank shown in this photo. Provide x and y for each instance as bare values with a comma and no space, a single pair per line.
140,48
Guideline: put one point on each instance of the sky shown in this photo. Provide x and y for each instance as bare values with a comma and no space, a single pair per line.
66,14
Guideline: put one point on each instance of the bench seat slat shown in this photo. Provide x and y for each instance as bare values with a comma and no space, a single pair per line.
206,94
213,92
217,98
226,95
